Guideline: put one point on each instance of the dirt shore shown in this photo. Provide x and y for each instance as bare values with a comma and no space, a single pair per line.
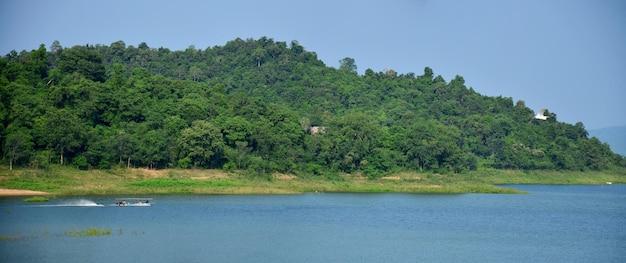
18,192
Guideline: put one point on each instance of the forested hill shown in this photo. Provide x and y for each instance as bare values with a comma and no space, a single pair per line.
265,106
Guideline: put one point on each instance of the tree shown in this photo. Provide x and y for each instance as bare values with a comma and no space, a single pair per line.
347,64
354,137
115,52
39,62
84,61
98,151
18,143
56,47
152,148
201,142
434,146
235,129
118,80
391,73
64,132
123,147
428,73
296,48
194,107
593,154
5,102
258,55
238,155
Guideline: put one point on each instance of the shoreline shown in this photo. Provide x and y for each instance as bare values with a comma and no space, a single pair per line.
20,192
59,180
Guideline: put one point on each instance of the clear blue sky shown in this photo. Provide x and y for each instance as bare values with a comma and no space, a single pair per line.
568,56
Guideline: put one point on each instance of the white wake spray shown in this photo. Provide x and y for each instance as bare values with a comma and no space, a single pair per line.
80,202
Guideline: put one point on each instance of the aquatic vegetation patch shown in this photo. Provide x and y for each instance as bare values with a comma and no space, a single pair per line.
36,199
89,232
3,237
44,233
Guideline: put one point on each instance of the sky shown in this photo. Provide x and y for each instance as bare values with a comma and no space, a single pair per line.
568,56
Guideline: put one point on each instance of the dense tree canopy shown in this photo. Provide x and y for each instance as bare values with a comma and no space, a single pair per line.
265,106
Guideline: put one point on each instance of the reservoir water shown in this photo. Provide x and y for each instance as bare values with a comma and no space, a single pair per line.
550,224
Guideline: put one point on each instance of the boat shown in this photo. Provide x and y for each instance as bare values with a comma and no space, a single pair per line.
133,201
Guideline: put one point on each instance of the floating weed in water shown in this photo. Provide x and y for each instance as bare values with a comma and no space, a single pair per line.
14,235
3,237
89,232
36,199
44,232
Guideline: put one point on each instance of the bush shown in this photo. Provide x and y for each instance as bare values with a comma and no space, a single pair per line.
41,160
313,169
230,166
81,162
104,165
371,172
184,163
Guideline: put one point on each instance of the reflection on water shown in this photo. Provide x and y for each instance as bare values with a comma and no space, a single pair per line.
552,223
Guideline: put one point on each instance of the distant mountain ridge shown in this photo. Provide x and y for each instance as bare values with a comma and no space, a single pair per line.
615,137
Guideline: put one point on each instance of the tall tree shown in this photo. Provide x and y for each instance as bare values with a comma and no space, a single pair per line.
347,64
354,137
18,144
84,61
64,132
39,62
201,142
123,147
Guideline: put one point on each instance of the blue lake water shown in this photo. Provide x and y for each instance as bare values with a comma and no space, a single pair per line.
551,224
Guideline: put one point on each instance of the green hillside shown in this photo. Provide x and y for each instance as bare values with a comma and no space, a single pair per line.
264,106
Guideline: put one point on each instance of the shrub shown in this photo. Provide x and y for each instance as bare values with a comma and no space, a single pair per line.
230,166
184,163
81,162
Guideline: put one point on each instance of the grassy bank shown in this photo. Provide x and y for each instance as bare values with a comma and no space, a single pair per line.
60,180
